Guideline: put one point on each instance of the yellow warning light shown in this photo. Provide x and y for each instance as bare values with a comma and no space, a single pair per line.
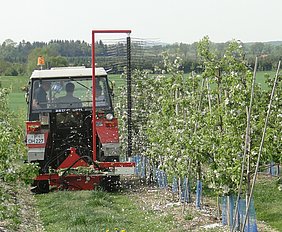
40,60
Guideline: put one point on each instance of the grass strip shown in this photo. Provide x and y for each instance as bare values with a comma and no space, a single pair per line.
97,211
268,201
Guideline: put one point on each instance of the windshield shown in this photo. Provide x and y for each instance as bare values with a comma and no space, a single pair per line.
72,93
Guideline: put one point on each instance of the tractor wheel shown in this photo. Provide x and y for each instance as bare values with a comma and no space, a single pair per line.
110,183
40,186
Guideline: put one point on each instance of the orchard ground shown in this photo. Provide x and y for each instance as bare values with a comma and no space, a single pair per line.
138,207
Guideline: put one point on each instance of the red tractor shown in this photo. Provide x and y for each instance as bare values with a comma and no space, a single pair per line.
72,132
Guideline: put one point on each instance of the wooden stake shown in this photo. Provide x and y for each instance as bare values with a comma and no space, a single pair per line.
261,144
246,145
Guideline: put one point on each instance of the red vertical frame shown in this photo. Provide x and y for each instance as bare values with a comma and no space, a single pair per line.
94,82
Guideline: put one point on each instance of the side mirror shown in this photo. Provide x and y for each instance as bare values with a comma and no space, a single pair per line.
26,95
26,90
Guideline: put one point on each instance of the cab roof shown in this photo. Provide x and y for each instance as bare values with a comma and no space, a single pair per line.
67,72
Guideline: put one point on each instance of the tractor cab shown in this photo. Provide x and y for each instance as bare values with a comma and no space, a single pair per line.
60,90
59,130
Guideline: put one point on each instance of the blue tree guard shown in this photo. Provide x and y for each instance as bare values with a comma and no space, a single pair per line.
138,165
185,195
198,194
224,210
174,185
231,209
143,166
251,225
165,179
228,210
271,168
141,163
161,178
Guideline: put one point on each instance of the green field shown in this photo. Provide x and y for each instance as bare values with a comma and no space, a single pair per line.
260,78
17,96
17,100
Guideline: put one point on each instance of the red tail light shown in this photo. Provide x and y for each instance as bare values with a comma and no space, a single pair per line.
32,127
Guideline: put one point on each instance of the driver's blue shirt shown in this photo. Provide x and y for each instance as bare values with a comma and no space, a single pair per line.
40,96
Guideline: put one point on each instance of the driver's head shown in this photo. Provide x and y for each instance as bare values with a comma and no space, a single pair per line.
46,85
69,87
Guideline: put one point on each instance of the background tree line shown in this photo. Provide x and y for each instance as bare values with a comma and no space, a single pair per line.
21,58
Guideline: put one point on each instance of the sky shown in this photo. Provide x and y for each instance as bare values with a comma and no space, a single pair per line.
168,21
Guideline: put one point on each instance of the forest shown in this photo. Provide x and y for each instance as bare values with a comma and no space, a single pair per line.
18,59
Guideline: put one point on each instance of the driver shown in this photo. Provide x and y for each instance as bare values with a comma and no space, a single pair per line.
40,95
40,99
69,100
